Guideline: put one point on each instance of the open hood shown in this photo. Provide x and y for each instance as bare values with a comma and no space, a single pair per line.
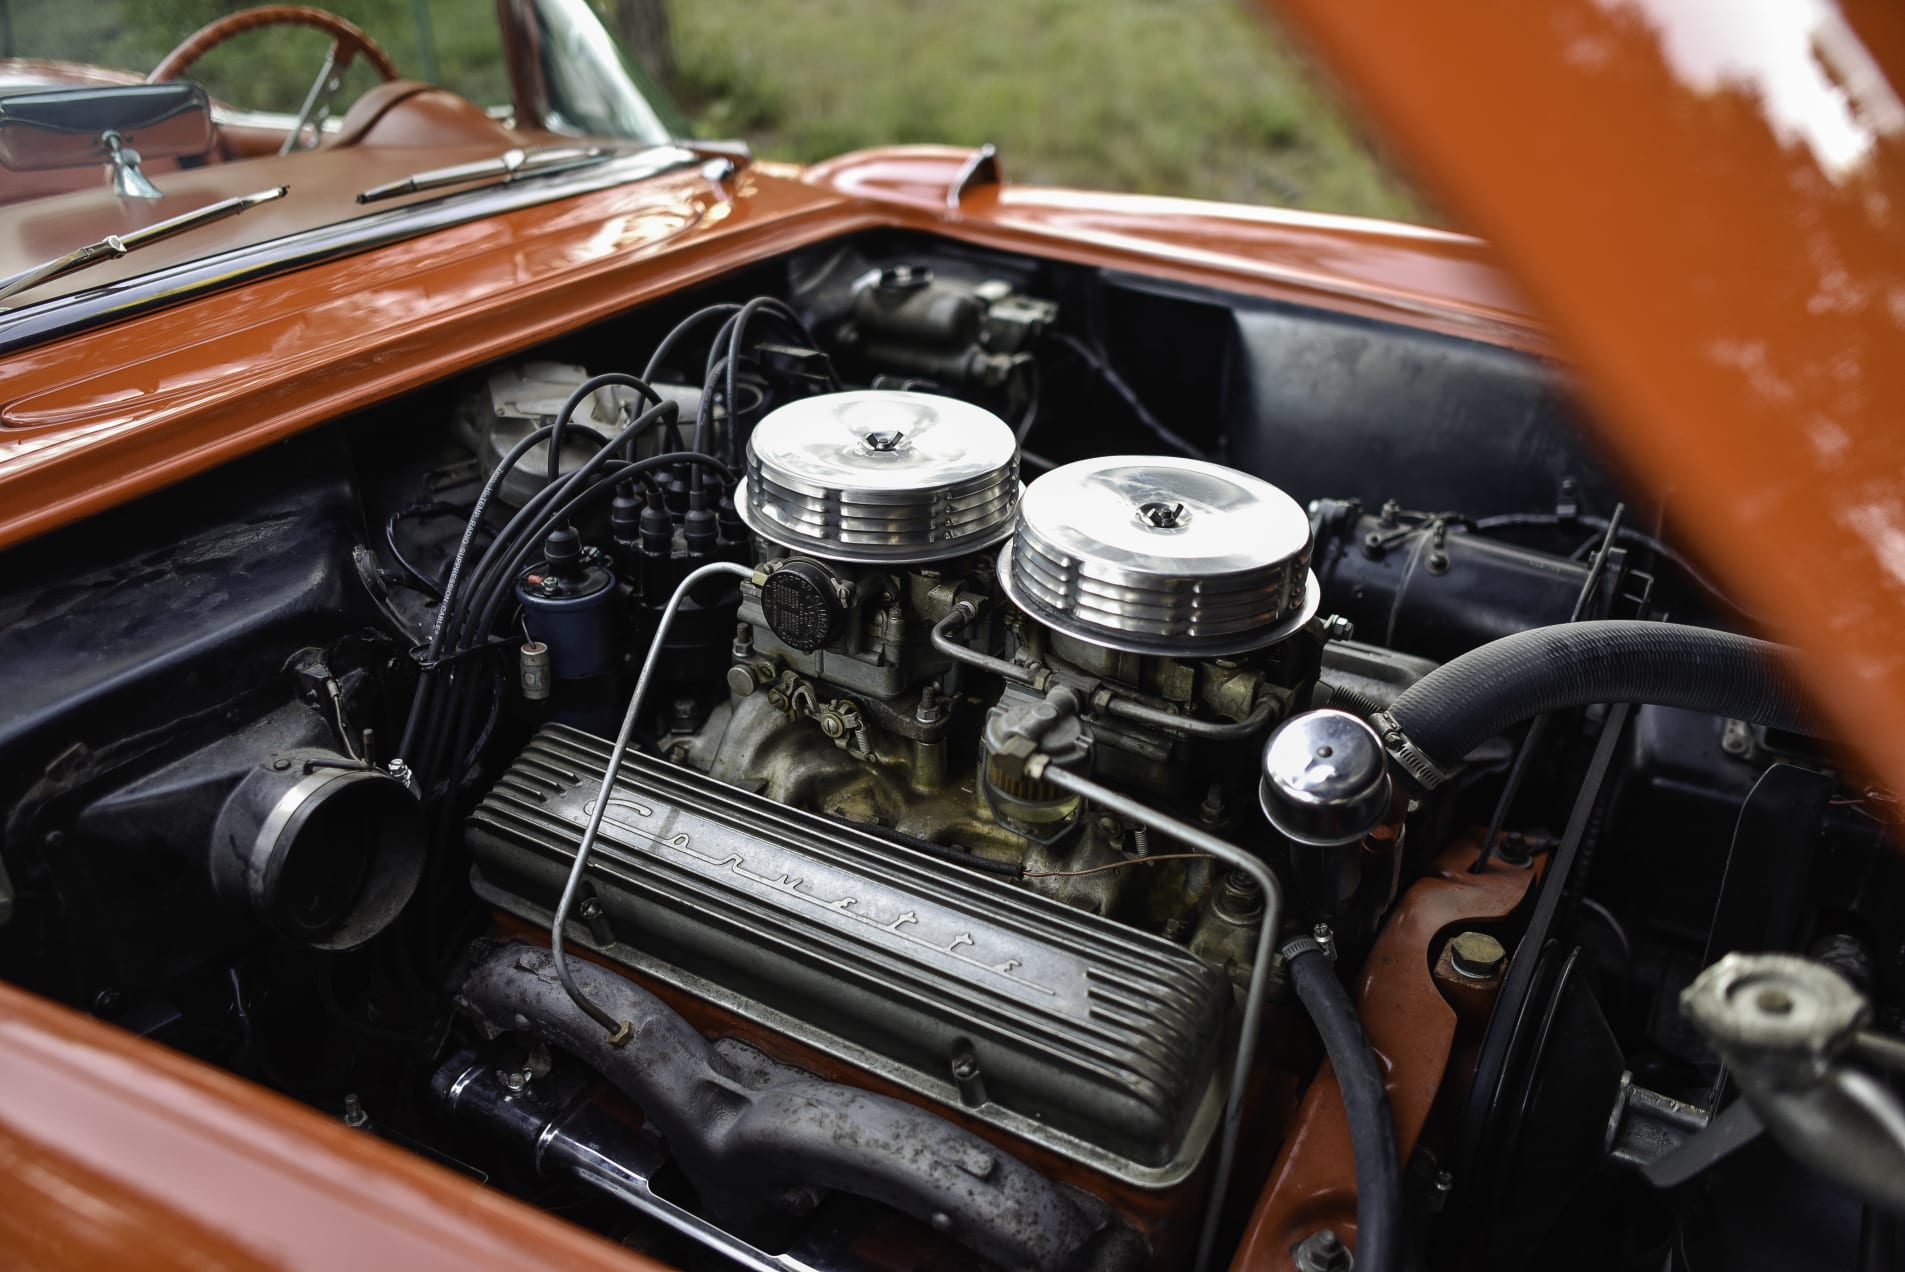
1708,201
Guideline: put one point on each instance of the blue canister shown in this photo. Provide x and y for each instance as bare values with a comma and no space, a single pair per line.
569,605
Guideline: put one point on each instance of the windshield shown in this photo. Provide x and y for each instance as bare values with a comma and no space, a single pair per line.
437,99
587,84
269,69
593,88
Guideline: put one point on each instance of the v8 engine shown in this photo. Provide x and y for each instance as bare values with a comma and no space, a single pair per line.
973,761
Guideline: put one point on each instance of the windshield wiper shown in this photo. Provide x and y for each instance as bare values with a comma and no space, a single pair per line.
509,165
113,246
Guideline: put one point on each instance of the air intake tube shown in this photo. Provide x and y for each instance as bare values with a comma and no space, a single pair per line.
1466,701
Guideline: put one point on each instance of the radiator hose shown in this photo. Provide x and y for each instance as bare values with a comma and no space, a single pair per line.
1469,699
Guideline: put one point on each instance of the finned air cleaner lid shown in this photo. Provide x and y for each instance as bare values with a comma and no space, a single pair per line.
1158,555
881,476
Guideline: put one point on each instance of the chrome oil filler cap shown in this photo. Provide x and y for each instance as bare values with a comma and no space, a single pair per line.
881,476
1325,778
1153,554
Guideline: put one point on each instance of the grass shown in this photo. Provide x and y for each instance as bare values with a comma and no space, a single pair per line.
1188,97
270,70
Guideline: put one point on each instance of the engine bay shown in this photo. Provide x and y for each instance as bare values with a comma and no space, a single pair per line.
909,756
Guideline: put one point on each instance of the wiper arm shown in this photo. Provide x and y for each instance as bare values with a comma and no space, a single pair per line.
509,165
113,246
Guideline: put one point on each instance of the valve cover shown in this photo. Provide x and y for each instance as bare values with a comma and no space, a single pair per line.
1060,1027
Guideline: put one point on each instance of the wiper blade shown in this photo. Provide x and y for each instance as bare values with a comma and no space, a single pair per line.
509,166
113,246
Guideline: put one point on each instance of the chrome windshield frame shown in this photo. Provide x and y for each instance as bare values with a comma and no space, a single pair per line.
114,302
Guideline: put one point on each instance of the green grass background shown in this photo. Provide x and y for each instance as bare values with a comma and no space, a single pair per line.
1186,97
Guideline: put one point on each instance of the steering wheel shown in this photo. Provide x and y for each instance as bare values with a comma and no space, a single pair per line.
347,42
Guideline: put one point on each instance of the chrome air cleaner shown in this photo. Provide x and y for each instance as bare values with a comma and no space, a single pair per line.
1157,555
880,477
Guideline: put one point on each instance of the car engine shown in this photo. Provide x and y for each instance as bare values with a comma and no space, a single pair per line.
914,757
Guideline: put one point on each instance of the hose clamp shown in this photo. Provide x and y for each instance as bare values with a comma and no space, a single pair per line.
1413,759
1297,945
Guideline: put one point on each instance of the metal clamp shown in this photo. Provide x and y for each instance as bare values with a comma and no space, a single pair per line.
1413,759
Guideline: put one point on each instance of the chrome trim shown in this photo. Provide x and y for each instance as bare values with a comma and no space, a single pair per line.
265,842
188,280
981,169
115,245
511,165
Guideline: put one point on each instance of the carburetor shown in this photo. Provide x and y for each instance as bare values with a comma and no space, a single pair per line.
1164,592
874,513
875,506
918,609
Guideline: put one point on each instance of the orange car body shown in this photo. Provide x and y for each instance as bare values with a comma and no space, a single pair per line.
1705,209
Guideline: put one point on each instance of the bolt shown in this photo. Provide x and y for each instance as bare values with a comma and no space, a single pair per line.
1513,849
1212,810
743,640
1336,627
1438,563
1324,935
1160,515
280,764
354,1114
1736,738
516,1079
965,1068
1238,897
591,909
1390,515
1322,1251
930,711
1476,955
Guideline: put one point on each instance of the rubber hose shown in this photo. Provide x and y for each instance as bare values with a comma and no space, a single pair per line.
1355,700
1473,697
1372,1131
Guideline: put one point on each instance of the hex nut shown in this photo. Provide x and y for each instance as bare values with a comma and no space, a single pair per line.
1476,955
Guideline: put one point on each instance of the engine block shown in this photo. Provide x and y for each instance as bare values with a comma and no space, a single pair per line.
1063,1028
